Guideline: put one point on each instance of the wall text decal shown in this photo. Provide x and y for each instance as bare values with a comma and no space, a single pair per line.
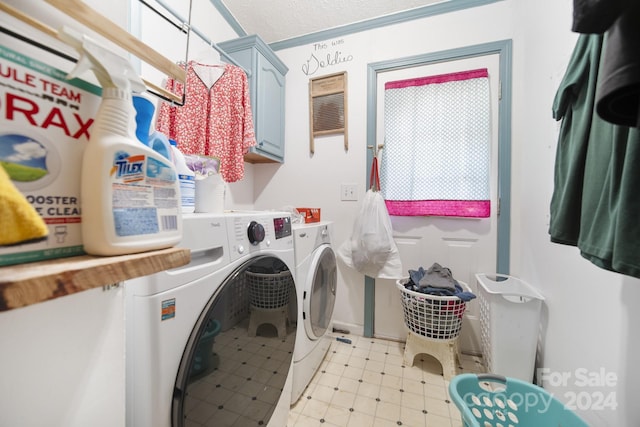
323,57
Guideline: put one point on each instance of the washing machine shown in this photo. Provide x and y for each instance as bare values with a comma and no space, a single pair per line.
316,281
192,358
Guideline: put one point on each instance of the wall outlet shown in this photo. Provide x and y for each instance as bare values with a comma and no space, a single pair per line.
348,192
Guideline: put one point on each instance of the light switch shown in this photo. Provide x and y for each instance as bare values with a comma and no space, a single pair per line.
349,192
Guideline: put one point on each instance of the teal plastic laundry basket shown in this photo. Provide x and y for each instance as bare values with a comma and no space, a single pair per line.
489,400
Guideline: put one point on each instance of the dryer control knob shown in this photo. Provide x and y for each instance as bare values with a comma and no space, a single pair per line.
255,232
240,249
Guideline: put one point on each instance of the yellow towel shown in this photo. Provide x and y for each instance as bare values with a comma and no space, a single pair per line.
19,221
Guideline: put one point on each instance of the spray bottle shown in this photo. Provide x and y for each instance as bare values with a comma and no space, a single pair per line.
145,132
130,194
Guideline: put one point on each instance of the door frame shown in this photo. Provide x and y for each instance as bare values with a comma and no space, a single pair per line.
504,50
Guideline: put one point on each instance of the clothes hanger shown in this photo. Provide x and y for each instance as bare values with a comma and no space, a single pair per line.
208,66
208,55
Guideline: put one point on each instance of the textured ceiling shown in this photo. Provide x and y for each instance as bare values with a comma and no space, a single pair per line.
277,20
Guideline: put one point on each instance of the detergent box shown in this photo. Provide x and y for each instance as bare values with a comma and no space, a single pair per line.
310,214
45,123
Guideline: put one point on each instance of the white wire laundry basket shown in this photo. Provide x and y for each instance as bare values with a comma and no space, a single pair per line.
432,316
269,290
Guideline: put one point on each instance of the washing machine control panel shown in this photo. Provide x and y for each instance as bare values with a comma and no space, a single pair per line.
251,232
282,226
255,232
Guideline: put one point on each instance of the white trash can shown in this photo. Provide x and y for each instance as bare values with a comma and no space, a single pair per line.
509,324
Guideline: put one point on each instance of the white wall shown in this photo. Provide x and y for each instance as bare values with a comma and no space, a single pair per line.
63,362
588,313
588,316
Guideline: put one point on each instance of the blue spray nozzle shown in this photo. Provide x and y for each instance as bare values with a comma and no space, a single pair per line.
144,115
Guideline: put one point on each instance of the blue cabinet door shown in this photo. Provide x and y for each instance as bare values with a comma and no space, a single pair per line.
266,75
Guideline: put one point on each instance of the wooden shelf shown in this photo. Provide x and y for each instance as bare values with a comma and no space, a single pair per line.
26,284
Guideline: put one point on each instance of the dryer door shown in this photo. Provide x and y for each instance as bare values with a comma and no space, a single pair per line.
320,292
236,362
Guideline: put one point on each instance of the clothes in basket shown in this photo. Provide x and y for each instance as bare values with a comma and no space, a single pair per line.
437,280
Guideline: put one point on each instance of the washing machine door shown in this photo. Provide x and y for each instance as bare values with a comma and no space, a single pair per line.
236,363
320,293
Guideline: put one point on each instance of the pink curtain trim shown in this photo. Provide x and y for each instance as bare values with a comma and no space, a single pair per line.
442,78
461,208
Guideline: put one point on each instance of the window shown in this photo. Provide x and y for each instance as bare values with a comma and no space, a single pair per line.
436,158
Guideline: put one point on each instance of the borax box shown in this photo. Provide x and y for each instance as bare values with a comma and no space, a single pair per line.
45,123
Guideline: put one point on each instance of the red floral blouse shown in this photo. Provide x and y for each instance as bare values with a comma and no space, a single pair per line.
216,118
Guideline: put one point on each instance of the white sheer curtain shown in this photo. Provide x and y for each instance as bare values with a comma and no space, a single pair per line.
436,158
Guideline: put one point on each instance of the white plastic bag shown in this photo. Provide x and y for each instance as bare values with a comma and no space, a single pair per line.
371,249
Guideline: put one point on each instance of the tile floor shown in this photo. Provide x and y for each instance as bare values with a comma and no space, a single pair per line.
366,384
242,381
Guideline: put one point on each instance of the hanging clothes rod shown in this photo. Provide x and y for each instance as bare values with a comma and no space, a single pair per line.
82,13
42,27
163,16
200,34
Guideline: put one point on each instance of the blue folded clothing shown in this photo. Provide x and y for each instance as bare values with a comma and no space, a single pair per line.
414,284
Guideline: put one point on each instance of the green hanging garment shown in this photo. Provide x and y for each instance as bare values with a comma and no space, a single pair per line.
595,203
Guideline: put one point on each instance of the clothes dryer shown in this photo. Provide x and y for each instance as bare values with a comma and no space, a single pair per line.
316,282
190,359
